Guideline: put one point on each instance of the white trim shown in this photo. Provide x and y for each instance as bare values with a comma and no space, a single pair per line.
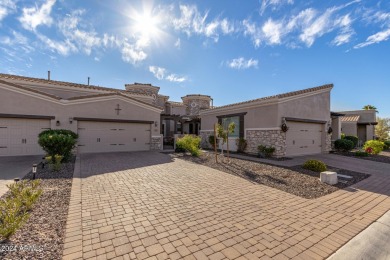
157,136
262,129
206,131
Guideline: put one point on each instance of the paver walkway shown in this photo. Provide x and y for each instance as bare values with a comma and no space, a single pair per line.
147,206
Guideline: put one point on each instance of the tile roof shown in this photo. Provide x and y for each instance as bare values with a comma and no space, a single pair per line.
284,95
113,94
29,89
350,118
61,83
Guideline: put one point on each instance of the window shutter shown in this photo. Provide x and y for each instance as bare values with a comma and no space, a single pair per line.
241,126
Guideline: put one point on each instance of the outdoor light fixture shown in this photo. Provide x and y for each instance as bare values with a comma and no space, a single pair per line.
58,123
70,120
34,170
155,123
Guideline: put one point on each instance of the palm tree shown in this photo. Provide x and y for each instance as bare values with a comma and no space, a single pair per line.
369,107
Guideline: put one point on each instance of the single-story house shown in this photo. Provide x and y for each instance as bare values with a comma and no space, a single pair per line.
107,120
360,123
306,113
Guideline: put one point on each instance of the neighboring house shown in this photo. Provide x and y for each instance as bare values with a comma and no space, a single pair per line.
306,114
107,120
360,123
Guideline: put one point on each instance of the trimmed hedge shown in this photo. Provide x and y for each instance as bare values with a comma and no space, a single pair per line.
352,138
343,145
58,142
315,165
387,145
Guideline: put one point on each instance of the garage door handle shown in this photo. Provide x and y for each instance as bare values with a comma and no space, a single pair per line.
313,141
2,147
293,141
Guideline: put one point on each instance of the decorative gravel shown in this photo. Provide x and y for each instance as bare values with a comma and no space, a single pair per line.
383,157
42,236
294,180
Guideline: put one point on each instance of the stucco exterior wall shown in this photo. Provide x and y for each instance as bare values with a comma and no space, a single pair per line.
314,107
366,116
178,110
336,126
16,103
261,116
349,128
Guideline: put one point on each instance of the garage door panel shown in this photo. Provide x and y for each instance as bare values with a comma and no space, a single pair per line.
113,137
304,138
20,136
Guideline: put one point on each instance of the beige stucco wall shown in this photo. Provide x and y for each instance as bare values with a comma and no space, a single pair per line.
366,116
315,107
256,117
336,127
349,128
17,103
178,110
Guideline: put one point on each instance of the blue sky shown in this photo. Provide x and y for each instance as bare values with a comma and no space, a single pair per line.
232,50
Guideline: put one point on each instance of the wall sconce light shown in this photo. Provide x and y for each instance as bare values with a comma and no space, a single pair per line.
57,123
155,123
34,170
70,120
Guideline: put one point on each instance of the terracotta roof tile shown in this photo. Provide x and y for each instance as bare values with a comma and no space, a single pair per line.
350,118
29,89
61,83
284,95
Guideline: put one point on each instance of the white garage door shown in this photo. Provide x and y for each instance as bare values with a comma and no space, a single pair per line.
20,136
95,137
303,138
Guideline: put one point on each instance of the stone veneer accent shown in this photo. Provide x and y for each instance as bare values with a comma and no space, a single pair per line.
274,138
328,142
204,143
156,143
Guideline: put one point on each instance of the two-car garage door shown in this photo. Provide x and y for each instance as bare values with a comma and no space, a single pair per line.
97,137
304,138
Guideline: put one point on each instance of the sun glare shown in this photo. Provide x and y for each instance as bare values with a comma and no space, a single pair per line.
146,25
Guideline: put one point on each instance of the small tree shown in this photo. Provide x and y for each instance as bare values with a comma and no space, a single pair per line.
382,128
223,132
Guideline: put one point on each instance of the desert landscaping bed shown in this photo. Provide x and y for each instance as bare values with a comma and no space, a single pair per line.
42,236
294,180
383,157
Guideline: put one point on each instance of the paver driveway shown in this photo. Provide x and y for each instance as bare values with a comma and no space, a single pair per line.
145,205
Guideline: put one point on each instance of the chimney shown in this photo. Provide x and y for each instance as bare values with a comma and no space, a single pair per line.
88,81
48,75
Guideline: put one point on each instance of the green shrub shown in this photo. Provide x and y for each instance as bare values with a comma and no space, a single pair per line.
59,132
352,138
267,151
241,145
212,141
375,145
315,165
361,154
387,145
14,208
55,163
189,143
58,142
343,145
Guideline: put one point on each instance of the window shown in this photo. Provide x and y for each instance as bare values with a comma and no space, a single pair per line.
236,120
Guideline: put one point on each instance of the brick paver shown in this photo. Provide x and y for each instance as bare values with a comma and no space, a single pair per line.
148,206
